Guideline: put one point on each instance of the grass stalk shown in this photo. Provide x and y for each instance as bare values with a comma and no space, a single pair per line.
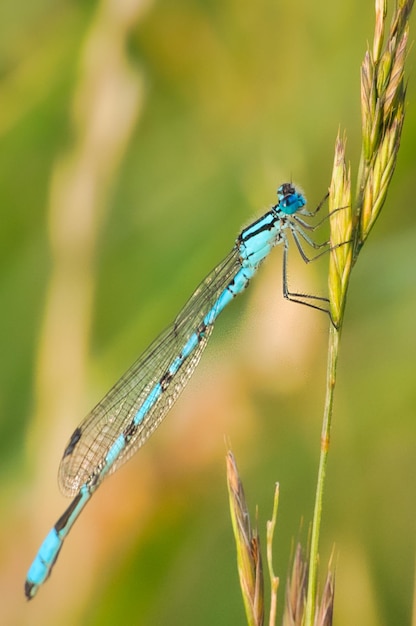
382,108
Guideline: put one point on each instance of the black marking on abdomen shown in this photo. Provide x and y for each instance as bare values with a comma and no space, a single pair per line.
167,377
165,380
28,589
130,431
63,520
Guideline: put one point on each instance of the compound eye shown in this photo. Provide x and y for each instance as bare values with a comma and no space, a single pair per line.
284,190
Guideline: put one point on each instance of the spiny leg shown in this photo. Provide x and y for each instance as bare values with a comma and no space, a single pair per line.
313,227
300,298
318,208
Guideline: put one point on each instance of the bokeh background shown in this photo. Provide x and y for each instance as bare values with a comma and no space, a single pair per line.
137,138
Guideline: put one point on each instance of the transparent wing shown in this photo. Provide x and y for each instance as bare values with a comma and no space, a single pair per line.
85,453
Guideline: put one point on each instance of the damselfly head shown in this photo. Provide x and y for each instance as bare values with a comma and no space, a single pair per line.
290,199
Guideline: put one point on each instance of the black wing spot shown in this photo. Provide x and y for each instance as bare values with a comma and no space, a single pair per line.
76,436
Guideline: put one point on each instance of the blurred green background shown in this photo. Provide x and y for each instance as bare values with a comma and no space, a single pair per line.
136,139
